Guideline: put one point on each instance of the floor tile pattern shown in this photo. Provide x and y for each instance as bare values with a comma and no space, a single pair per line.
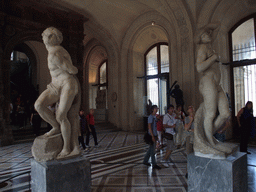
116,165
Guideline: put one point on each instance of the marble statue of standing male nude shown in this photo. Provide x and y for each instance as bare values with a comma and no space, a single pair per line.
208,64
63,89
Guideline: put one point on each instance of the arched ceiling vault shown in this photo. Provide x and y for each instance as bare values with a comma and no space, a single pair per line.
116,16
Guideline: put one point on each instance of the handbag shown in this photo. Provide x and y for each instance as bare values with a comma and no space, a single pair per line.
148,139
168,136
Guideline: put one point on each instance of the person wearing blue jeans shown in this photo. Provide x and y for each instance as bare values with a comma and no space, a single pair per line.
152,131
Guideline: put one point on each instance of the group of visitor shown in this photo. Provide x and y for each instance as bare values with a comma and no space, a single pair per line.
87,127
20,111
175,127
178,130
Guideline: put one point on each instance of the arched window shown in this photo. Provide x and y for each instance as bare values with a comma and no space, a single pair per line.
243,65
157,75
102,75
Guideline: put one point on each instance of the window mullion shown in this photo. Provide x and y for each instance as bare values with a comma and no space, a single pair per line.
158,59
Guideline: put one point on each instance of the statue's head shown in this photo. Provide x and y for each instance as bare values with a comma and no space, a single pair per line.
52,36
177,86
206,30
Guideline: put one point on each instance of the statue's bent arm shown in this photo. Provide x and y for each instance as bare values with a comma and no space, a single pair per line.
202,62
64,62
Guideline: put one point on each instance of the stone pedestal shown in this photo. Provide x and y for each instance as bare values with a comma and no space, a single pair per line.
217,175
61,176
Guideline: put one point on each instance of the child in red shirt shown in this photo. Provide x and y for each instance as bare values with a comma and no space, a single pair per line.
90,120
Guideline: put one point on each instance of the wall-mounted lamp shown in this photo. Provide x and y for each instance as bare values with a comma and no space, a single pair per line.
153,23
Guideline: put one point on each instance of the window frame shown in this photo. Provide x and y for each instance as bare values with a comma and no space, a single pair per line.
103,84
159,75
240,63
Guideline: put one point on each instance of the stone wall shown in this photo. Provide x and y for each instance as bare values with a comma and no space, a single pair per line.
20,22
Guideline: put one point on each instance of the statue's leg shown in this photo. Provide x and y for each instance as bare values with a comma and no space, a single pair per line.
41,105
223,116
75,124
66,99
74,120
223,107
209,93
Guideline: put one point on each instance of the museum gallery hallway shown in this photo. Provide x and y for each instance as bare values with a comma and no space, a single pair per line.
116,165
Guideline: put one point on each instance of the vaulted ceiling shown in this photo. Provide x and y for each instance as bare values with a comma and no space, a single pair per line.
113,15
116,16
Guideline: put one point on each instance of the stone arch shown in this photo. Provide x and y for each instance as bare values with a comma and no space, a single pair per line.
85,88
126,69
207,12
18,39
224,14
102,38
32,58
175,40
95,55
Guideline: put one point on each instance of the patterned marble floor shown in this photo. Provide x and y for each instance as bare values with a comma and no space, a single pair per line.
116,166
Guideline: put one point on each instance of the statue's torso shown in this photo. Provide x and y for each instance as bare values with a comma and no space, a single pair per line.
213,73
59,76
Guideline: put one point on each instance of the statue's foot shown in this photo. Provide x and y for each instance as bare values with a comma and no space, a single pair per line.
53,131
63,154
224,148
76,151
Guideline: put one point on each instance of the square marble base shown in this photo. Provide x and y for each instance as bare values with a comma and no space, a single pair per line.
217,175
65,176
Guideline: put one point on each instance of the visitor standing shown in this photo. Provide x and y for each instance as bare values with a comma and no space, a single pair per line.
152,131
246,124
91,124
180,117
189,129
83,128
36,120
169,126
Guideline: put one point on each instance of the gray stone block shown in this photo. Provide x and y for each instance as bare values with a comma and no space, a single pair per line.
217,175
61,176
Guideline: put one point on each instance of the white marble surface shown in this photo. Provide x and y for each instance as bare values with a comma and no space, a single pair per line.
207,122
64,89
